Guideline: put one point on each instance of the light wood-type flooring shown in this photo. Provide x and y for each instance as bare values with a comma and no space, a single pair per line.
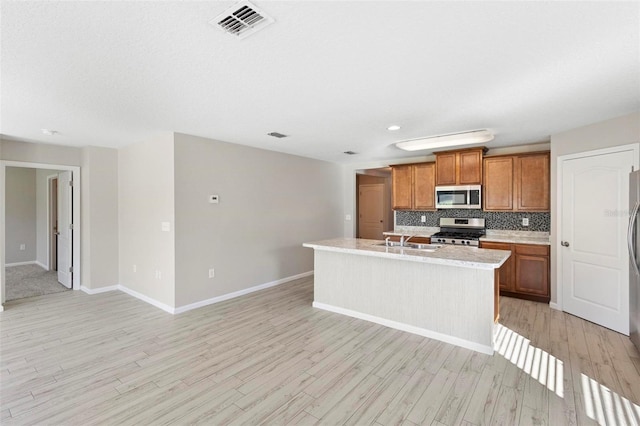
270,358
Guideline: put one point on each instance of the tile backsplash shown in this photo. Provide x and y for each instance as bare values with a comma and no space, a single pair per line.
493,220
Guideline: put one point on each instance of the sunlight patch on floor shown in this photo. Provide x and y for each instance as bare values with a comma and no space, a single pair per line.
539,364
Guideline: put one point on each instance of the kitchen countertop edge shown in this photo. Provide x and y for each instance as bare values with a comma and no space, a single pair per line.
467,257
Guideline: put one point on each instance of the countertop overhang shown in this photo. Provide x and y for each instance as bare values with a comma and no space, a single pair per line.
465,257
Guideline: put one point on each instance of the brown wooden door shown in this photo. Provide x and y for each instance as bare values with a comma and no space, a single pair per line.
506,270
371,211
470,169
401,177
532,270
498,183
446,169
424,176
532,182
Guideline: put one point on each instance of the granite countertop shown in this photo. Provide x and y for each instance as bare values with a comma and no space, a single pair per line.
467,257
493,235
517,237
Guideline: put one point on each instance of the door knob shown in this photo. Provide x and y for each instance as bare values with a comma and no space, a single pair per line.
564,243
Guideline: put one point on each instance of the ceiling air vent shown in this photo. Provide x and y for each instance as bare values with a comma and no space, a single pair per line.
242,20
277,135
350,152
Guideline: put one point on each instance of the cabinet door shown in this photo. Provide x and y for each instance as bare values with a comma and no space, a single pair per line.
446,169
498,184
532,274
532,183
402,187
470,168
424,182
506,270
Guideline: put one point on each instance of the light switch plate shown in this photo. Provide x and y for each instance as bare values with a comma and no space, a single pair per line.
423,219
347,217
166,226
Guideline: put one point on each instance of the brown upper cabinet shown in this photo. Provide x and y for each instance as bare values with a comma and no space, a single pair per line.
461,167
413,186
516,182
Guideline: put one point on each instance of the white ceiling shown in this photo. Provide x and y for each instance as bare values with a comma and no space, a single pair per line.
331,74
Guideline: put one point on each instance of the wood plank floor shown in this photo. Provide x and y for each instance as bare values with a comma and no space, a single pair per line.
270,358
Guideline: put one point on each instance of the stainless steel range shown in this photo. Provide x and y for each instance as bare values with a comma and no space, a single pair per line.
460,231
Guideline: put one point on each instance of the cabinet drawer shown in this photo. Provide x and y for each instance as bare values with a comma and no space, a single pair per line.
532,250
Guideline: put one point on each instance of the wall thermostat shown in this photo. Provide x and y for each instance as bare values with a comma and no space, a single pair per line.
214,199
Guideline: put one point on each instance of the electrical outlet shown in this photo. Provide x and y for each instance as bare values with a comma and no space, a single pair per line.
525,221
423,219
158,274
347,217
135,268
212,273
23,247
165,226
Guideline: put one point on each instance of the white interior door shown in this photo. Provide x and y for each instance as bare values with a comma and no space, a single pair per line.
371,211
65,228
593,254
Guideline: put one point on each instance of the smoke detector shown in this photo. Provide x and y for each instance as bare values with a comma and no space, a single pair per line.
242,20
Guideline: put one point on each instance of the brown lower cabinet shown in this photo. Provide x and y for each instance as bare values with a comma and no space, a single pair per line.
525,274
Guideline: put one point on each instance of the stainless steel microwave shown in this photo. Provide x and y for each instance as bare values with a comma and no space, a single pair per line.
459,197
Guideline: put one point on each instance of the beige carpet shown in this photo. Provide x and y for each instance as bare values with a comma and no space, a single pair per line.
30,280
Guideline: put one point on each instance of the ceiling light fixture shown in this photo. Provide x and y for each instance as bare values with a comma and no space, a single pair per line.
49,132
443,141
393,127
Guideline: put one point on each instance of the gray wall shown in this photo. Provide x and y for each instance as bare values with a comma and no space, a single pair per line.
20,214
40,153
145,200
102,187
100,261
270,203
618,131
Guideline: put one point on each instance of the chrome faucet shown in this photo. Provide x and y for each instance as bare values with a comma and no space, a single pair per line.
386,241
404,240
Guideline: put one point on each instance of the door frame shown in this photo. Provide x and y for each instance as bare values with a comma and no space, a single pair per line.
635,147
76,217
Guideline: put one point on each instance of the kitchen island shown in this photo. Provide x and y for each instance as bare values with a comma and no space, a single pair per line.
448,294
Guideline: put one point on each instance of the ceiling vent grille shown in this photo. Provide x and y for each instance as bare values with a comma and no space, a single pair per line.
242,20
277,135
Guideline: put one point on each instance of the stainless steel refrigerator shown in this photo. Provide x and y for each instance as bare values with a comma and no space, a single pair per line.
633,239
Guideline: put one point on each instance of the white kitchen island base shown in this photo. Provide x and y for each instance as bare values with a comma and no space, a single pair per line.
447,302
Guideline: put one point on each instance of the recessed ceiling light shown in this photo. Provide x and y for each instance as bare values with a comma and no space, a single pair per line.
443,141
49,132
393,127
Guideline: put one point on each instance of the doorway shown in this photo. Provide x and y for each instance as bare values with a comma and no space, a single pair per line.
373,203
593,262
45,259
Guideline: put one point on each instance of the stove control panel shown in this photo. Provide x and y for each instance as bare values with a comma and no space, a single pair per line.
455,241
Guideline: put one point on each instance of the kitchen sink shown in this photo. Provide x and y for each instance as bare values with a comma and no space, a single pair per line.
412,246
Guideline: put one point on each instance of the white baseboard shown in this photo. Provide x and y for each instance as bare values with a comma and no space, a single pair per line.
31,262
99,290
555,306
147,299
195,305
239,293
408,328
42,265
